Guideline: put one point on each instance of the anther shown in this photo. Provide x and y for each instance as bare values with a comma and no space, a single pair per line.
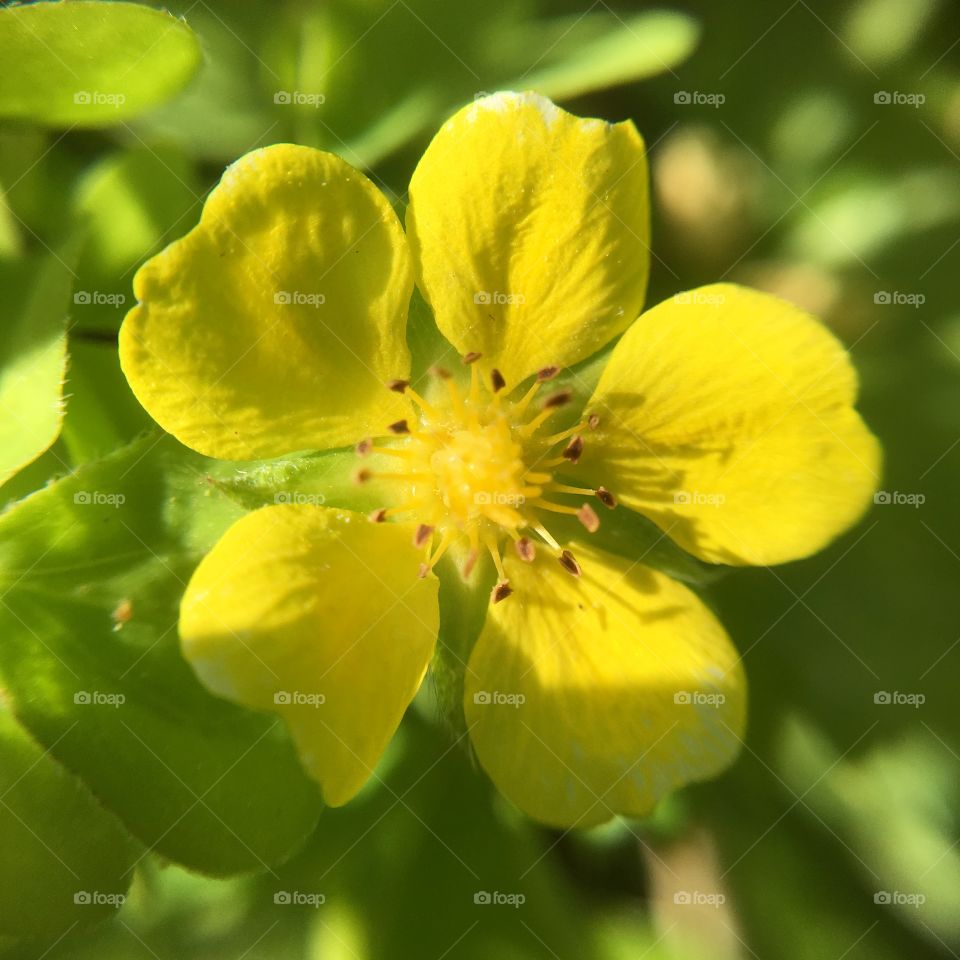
422,535
398,386
423,571
593,421
362,476
378,516
573,449
569,563
364,447
471,562
547,373
400,427
501,591
497,383
588,517
472,357
606,497
440,373
559,398
526,551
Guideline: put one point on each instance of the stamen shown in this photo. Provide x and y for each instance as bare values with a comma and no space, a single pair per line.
364,447
403,386
606,497
556,507
378,516
497,383
521,405
588,517
547,373
400,427
559,398
472,357
576,491
501,591
362,476
593,421
569,563
526,551
422,535
546,536
574,449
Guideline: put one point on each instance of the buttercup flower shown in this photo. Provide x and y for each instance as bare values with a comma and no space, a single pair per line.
596,684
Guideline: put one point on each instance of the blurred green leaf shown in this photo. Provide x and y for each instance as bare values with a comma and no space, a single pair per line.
600,50
66,861
33,357
94,567
91,63
129,205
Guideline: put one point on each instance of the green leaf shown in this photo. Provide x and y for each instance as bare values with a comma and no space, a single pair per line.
33,358
66,861
94,567
130,205
600,51
91,63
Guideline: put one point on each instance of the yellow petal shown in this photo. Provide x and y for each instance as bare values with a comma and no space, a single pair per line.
530,231
594,696
273,325
316,615
727,418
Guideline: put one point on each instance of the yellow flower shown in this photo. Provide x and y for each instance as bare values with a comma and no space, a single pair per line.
596,685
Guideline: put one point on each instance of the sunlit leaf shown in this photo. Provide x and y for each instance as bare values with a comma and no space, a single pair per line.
94,567
66,861
91,63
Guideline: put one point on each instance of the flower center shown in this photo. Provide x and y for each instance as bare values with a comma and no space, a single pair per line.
478,469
